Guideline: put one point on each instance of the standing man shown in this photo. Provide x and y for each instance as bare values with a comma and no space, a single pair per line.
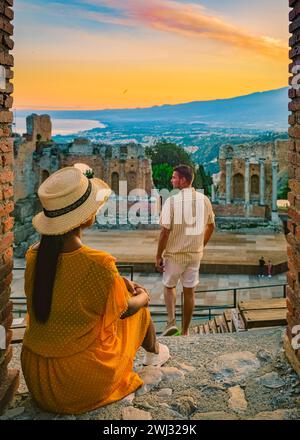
187,222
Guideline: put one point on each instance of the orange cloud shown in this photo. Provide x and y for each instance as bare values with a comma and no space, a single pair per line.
193,20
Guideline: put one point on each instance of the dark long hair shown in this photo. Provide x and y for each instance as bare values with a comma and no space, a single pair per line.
45,269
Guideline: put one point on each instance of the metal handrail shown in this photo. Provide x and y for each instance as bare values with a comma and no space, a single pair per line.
119,266
179,307
240,288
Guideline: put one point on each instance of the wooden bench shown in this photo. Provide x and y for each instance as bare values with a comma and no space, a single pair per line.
264,318
275,303
264,313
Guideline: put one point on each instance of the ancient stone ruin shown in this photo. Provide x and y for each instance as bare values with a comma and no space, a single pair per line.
44,156
249,180
36,156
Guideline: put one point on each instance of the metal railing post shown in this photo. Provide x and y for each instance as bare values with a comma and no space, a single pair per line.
234,298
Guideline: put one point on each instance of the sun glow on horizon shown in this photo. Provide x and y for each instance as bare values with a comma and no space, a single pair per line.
134,57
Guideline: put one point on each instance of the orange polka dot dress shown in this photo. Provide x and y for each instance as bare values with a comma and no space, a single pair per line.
82,357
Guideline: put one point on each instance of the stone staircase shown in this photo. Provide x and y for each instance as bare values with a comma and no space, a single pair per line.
229,321
248,315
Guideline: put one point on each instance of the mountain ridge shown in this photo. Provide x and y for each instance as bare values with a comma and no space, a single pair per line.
237,111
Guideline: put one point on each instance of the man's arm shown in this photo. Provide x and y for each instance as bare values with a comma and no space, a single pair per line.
208,232
162,243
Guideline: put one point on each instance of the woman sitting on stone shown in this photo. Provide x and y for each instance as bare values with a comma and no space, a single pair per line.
85,322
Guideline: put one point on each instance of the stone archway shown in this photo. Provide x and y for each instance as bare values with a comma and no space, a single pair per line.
238,187
115,182
131,181
254,185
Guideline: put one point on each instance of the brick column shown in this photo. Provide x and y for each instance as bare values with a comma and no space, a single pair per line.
293,249
9,379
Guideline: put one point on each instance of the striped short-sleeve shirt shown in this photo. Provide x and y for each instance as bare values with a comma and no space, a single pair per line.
186,215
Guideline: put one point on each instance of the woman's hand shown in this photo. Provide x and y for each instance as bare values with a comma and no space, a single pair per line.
136,302
142,291
129,285
136,288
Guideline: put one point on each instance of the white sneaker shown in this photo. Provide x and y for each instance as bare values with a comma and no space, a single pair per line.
157,359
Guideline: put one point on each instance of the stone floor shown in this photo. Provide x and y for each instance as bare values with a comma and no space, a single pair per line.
214,377
223,248
130,246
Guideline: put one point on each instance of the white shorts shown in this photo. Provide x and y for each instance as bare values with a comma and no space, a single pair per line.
188,274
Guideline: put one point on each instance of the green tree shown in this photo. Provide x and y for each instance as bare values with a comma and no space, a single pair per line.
165,156
162,174
202,180
168,153
283,191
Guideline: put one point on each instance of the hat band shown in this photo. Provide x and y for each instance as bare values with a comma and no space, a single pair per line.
62,211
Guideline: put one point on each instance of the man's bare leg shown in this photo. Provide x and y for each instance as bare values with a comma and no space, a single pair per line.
188,308
170,301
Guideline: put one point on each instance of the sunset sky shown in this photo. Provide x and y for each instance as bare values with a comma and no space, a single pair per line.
95,54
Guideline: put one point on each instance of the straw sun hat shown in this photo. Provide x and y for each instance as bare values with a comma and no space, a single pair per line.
68,199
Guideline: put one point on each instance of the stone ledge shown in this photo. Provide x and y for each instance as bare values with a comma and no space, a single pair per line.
215,377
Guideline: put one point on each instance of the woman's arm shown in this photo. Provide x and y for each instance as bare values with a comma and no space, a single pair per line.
135,303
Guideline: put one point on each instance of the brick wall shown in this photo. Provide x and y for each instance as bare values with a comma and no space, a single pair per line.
9,379
293,277
239,210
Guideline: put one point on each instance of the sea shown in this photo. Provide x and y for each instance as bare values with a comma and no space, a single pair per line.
61,126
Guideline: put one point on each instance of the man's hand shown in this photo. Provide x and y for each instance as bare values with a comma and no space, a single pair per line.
159,264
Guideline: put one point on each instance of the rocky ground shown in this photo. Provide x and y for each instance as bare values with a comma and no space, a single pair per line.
214,377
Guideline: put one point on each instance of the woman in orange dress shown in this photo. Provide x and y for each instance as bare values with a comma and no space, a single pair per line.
85,322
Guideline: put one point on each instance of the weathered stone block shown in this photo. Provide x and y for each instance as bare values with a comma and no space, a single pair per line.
6,117
294,13
8,388
8,192
7,225
8,42
4,364
4,294
6,268
6,26
9,13
6,241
